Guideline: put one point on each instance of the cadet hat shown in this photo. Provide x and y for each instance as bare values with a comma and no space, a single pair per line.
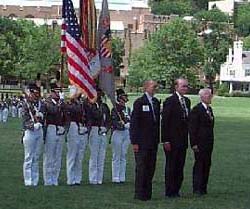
54,87
100,91
121,95
33,88
120,92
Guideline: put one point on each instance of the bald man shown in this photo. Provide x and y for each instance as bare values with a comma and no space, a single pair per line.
201,126
144,135
174,135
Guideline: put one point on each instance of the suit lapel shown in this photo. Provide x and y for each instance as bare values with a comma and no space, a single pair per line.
203,109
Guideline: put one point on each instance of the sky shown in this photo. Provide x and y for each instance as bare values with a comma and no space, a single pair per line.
113,4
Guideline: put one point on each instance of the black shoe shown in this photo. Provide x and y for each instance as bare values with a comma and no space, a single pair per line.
173,195
198,193
141,198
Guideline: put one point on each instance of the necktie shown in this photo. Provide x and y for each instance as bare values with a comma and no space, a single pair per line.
209,112
152,106
184,107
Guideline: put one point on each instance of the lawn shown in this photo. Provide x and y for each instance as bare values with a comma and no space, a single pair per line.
229,183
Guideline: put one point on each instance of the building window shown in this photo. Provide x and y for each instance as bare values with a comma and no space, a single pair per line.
232,72
247,72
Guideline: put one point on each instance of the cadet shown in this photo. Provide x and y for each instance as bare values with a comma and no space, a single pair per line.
14,103
1,111
77,137
32,116
19,106
5,112
55,130
99,122
120,138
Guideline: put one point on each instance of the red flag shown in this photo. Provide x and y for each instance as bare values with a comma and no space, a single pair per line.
88,25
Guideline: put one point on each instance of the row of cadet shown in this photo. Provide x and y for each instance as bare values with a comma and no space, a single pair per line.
47,123
10,107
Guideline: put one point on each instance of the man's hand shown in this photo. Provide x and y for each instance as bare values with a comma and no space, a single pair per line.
167,147
135,148
195,148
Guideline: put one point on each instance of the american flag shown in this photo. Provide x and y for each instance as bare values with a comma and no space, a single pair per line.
78,63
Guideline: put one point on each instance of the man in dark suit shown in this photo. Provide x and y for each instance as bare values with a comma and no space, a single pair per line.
144,135
201,127
175,113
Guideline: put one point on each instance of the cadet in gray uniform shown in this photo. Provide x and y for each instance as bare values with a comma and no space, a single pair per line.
32,116
77,139
99,122
5,112
55,130
120,138
1,111
14,104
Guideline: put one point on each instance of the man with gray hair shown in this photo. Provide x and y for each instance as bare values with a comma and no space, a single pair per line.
201,129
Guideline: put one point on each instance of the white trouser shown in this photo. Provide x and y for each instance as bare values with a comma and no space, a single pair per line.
120,142
52,156
97,144
5,114
19,112
14,111
76,147
1,115
32,142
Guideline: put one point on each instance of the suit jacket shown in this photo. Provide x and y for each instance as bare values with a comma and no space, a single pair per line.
144,129
201,127
174,127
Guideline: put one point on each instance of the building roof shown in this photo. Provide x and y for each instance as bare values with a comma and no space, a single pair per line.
246,57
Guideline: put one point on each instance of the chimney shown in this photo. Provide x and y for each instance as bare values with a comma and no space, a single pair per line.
230,55
238,49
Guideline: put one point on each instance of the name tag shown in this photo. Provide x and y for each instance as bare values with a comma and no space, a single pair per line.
145,108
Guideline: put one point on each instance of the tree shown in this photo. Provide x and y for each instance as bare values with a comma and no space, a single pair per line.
11,38
172,7
217,34
213,15
242,19
246,43
27,48
118,52
201,4
41,51
174,51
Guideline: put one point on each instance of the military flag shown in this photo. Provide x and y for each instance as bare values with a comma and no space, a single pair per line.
106,76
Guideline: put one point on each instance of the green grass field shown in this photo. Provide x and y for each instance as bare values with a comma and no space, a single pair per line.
229,183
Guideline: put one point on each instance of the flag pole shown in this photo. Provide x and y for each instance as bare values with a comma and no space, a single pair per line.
80,13
62,70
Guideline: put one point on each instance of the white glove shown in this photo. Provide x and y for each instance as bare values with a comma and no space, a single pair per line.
60,130
83,129
37,126
103,129
127,125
